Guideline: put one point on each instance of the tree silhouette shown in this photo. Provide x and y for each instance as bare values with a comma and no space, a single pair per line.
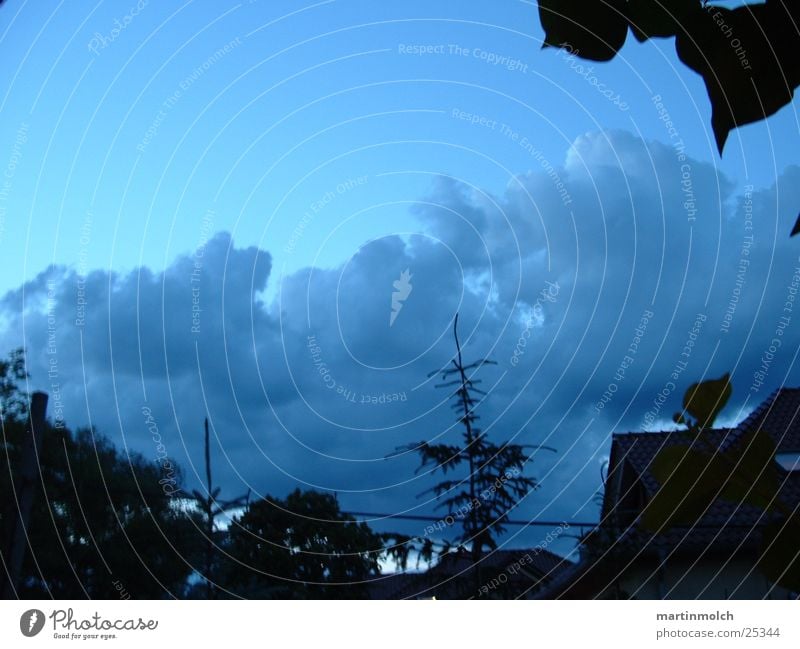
13,404
102,521
495,482
101,517
302,547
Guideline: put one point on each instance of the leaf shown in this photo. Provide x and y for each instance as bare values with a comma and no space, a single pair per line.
747,56
690,481
659,18
748,60
754,479
779,558
796,227
705,400
592,29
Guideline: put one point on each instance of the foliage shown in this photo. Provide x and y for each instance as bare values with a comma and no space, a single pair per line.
495,482
12,372
747,56
743,472
105,525
100,517
301,547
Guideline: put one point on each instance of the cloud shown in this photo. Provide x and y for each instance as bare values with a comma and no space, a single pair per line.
656,272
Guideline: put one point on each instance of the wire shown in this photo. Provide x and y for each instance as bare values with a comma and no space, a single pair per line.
372,516
412,517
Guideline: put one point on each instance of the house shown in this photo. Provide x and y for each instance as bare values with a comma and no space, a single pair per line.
717,557
501,574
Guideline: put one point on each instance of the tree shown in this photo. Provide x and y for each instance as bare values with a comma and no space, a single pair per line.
747,56
13,405
102,520
494,483
15,521
303,547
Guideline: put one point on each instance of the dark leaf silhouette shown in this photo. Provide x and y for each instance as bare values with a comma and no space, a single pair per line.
741,470
752,473
658,18
689,482
748,60
796,227
704,401
747,56
592,30
692,479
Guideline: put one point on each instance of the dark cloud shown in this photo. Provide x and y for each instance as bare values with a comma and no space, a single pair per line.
552,279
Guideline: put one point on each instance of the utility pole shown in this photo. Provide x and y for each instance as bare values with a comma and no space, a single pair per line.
211,507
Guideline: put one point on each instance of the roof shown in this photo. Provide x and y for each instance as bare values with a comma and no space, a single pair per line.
725,528
452,577
390,586
779,415
538,561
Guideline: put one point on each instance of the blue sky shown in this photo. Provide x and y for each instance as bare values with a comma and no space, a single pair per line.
309,95
312,152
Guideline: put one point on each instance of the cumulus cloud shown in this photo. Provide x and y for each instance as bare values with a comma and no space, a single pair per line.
656,271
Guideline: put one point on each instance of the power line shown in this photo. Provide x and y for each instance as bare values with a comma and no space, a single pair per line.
372,516
412,517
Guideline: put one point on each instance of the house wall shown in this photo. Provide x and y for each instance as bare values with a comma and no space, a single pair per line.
708,579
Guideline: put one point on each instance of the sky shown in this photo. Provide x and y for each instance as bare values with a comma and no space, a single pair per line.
205,209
